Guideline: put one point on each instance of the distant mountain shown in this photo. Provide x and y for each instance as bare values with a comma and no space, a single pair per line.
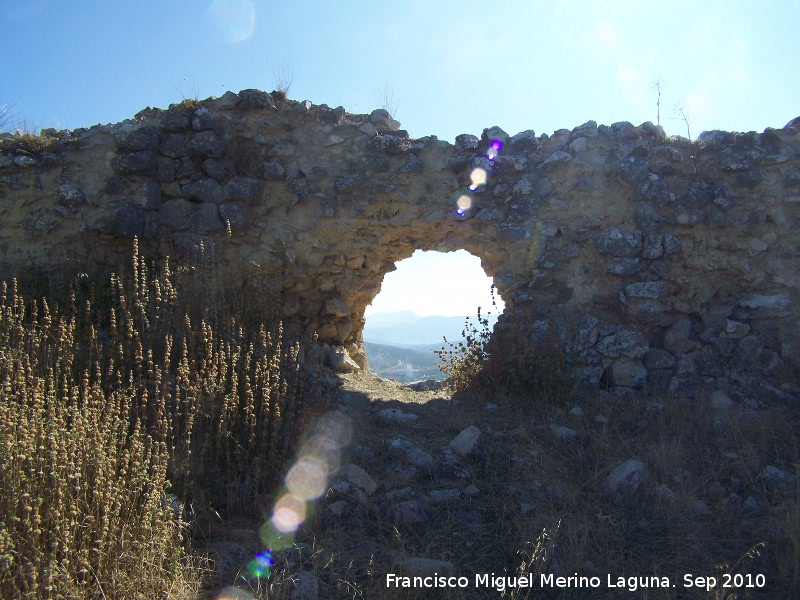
407,330
402,364
390,319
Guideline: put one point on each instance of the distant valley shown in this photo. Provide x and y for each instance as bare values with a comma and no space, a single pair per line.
400,344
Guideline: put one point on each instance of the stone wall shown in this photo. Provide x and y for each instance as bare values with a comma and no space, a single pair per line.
661,264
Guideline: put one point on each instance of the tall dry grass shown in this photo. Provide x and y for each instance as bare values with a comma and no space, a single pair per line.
127,406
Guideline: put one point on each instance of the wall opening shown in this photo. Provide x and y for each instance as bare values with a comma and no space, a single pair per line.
428,296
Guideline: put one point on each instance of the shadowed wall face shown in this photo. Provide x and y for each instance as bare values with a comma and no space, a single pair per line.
657,263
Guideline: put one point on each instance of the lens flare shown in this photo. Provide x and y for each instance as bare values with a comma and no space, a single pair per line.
234,20
274,539
464,203
478,178
261,566
494,149
334,430
308,478
234,593
289,513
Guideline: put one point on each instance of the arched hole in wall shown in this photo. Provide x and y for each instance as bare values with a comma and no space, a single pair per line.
428,296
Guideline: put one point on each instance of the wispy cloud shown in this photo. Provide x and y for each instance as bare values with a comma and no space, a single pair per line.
606,38
633,85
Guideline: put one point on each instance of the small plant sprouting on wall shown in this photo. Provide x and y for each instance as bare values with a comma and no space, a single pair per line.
282,80
684,113
5,117
387,100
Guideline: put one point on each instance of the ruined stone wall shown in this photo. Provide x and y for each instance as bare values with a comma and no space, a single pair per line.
661,264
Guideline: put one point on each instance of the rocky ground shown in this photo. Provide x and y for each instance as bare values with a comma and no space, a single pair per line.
630,491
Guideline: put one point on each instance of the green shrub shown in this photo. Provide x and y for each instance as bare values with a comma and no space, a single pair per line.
462,362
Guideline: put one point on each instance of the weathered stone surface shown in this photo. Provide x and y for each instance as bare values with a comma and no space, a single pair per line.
227,101
466,141
173,145
625,342
71,195
656,190
649,312
383,121
166,169
206,218
556,158
764,307
356,476
216,169
749,179
563,433
340,360
390,144
235,214
633,170
412,164
25,161
203,190
672,244
646,289
255,99
273,170
409,512
623,267
465,441
648,218
135,163
243,190
414,455
587,333
129,222
441,496
695,196
584,222
659,359
630,373
525,140
177,214
206,144
175,121
676,339
625,478
653,245
304,586
202,119
132,138
778,479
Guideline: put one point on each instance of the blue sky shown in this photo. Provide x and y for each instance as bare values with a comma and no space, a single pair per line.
449,66
452,66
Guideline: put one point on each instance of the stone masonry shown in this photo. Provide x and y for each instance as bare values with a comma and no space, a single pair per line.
662,264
